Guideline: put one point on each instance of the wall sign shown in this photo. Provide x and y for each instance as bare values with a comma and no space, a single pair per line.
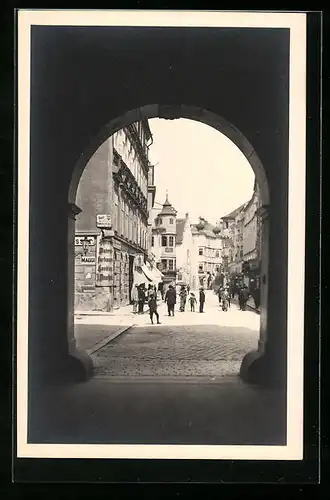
88,259
104,271
104,221
78,241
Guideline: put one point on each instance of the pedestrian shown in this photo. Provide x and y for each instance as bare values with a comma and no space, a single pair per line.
192,301
201,300
152,303
170,299
161,289
183,298
240,298
225,300
245,297
150,292
188,289
228,295
135,298
141,299
220,295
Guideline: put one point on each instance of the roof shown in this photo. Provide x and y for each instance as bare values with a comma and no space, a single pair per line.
233,214
207,230
167,208
180,225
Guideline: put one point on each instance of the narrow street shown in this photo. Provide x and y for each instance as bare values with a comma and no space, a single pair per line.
174,383
211,344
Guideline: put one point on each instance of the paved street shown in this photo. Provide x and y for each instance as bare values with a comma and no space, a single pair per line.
211,344
171,383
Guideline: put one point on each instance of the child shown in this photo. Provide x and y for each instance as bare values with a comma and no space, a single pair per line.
193,301
153,309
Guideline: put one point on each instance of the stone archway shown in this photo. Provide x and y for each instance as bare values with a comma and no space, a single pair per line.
250,365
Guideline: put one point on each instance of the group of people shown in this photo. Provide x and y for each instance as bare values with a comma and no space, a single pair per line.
225,294
224,297
140,296
190,297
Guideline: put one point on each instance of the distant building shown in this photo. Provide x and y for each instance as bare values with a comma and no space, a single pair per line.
242,228
112,229
186,258
251,240
233,224
163,241
208,246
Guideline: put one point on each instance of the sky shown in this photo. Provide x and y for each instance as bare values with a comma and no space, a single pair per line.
204,172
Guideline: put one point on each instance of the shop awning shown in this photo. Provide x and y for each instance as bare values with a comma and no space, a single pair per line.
152,272
139,276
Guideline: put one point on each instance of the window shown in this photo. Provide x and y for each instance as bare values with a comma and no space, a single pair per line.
164,264
170,265
164,241
170,241
217,253
171,221
152,241
200,251
160,221
201,267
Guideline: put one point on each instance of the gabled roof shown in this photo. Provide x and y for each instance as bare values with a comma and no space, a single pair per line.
180,224
234,214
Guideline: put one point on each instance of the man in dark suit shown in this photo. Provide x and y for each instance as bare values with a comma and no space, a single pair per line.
201,300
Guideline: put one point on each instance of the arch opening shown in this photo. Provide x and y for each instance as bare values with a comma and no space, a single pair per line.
172,113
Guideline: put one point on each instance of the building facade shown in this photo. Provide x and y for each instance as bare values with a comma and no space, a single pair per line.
186,256
112,228
233,225
251,241
242,228
208,246
163,241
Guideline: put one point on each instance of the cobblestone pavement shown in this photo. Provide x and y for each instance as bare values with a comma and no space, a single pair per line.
211,344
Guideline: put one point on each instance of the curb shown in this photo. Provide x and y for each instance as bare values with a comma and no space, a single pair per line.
248,306
107,340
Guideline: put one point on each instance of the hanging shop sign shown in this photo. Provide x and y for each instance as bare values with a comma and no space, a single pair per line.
104,221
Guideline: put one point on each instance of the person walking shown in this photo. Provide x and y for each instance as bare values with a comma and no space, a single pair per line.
192,301
141,299
170,299
188,289
225,300
152,303
150,291
201,300
161,289
219,295
245,297
135,298
183,298
240,298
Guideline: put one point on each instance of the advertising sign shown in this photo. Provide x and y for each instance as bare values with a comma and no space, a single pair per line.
104,270
78,241
85,259
104,221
